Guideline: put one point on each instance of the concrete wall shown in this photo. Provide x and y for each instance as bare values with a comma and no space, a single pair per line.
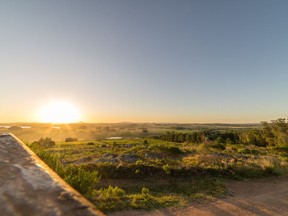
29,187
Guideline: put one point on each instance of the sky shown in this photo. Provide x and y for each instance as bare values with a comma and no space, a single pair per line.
145,61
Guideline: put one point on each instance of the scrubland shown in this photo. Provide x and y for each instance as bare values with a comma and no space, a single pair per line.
162,165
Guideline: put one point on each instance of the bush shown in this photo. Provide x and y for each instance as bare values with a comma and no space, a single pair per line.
110,193
167,169
175,150
81,179
255,152
43,143
112,198
218,146
71,139
145,191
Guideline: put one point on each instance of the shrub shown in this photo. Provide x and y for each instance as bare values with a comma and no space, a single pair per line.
81,179
71,139
111,192
174,150
255,152
145,191
43,143
218,146
167,169
111,198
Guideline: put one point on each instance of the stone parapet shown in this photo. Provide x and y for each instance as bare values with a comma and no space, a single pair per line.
29,187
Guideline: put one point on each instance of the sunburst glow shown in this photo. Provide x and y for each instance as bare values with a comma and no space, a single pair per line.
59,112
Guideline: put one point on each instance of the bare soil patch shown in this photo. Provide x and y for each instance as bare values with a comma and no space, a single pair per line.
265,196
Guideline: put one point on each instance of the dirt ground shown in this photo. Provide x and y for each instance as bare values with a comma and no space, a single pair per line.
266,196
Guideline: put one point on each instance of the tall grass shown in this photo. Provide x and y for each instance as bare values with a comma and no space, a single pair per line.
77,176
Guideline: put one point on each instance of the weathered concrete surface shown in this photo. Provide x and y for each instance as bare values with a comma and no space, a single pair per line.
29,187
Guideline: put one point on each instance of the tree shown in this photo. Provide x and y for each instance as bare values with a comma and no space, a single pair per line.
274,133
43,143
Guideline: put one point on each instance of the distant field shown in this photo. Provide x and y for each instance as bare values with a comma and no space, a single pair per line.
85,131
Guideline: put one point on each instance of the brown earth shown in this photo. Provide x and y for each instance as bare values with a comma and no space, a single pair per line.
266,196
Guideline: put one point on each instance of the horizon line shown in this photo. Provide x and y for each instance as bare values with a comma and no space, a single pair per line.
126,122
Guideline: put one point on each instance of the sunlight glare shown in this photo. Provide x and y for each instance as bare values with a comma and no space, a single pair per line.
59,112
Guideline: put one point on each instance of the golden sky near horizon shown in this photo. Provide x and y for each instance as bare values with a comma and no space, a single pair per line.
145,61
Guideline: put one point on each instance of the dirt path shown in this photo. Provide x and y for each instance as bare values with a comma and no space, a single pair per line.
267,196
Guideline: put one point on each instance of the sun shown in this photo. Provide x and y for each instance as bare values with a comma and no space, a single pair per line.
59,112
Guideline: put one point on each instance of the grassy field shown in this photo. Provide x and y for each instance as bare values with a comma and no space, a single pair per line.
92,131
141,171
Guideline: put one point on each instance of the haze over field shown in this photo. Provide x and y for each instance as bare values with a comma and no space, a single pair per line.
143,61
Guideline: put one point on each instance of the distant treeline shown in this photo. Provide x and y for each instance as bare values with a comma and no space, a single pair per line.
274,133
202,136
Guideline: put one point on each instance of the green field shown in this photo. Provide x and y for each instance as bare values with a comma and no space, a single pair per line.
157,165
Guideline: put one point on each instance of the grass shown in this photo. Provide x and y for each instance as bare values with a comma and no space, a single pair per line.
75,175
114,198
138,174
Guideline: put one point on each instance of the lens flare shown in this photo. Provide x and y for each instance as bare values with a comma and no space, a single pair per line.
59,112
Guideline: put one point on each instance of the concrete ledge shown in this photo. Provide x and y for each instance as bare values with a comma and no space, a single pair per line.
29,187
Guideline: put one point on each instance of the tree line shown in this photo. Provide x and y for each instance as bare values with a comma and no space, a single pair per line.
274,133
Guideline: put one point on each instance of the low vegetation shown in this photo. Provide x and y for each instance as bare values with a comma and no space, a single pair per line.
171,169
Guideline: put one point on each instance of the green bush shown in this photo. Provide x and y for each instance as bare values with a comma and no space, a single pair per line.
111,198
81,179
255,152
43,143
174,150
145,191
167,169
110,193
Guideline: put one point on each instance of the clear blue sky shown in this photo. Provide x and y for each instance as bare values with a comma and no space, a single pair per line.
147,61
